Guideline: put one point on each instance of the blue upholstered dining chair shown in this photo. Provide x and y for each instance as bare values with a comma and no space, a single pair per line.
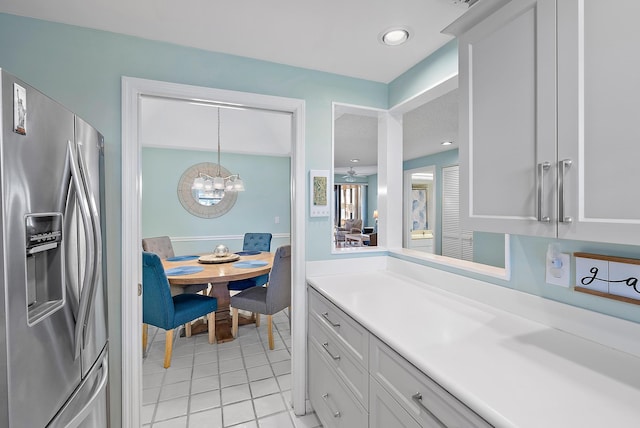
253,242
162,310
266,300
161,245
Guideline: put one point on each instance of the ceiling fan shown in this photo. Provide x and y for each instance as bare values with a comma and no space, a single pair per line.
351,175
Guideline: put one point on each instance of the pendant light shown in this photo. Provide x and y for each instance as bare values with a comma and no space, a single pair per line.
218,185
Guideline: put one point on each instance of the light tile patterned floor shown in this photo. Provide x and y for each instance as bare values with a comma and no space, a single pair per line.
238,384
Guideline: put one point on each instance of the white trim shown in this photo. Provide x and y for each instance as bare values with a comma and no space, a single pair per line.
131,246
222,237
132,90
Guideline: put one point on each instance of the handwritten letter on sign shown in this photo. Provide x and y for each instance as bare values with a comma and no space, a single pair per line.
613,277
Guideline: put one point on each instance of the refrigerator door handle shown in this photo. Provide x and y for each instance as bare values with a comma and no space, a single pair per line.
89,274
97,243
79,416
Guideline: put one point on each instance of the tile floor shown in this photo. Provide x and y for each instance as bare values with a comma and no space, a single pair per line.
238,384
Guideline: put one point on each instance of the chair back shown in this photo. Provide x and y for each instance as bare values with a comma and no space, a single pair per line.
160,245
257,242
351,224
279,288
157,304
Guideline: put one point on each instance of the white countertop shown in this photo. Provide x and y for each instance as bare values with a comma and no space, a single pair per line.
512,371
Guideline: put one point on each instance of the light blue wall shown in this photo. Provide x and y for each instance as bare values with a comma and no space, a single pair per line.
437,67
82,69
267,195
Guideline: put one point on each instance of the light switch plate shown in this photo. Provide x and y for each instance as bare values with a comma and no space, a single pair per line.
560,276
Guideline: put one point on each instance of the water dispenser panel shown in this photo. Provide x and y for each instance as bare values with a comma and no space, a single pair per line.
44,265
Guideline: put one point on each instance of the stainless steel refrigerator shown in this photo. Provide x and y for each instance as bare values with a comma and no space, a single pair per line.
53,303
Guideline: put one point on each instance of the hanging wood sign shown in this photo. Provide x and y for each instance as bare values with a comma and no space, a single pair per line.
608,276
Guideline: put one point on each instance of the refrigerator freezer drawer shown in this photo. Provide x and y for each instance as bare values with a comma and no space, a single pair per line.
87,407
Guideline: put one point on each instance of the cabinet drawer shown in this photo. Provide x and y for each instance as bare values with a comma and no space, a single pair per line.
349,332
341,360
332,401
385,412
424,399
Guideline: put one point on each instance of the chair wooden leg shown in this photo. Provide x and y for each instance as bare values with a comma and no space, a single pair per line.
234,322
145,337
270,331
168,348
187,329
257,319
211,320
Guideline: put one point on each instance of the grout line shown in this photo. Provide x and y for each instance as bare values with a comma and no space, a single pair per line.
262,340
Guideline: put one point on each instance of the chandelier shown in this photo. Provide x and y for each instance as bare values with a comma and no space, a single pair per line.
214,187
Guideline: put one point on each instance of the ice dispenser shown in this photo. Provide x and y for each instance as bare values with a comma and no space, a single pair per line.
45,265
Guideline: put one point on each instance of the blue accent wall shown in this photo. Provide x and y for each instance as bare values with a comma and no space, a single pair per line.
267,195
433,70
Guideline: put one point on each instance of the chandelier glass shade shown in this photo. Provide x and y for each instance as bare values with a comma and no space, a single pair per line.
214,187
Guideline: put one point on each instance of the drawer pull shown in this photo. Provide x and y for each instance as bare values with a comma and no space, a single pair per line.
417,397
325,397
326,315
325,345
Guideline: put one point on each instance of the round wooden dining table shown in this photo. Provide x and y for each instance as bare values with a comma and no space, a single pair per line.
219,275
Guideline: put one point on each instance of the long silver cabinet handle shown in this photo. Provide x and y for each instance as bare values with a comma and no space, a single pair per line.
326,316
87,222
417,398
325,345
542,167
325,397
563,165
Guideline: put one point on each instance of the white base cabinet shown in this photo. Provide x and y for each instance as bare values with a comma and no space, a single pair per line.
356,380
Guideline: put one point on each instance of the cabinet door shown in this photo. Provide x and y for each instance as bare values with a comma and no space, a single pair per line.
598,112
507,66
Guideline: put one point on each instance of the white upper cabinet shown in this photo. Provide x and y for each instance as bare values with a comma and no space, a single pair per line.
548,139
599,117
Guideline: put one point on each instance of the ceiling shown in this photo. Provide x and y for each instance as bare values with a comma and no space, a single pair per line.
335,36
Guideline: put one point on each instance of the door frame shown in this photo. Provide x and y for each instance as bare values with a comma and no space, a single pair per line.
131,236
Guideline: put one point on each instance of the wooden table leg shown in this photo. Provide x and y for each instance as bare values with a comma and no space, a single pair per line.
223,317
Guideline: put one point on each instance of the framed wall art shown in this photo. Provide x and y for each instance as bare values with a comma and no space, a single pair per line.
319,193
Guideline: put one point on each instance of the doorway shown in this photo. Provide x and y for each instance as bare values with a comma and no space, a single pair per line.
132,91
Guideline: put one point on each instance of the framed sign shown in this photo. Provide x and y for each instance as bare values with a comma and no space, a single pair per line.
319,193
608,276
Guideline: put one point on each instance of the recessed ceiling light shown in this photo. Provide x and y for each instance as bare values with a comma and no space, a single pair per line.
447,143
354,160
395,36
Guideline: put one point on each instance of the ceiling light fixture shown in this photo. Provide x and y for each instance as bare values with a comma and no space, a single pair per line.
447,143
214,188
354,160
395,36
